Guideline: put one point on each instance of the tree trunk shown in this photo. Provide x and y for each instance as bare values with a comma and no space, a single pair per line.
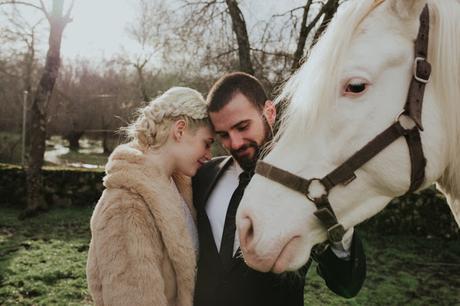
303,35
105,146
34,179
329,10
29,59
239,27
73,138
143,86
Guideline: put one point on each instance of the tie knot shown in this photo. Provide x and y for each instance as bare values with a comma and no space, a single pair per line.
245,177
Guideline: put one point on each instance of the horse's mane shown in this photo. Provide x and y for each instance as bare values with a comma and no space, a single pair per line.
302,92
445,59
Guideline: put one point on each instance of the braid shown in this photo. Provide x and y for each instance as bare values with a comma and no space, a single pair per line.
173,103
152,126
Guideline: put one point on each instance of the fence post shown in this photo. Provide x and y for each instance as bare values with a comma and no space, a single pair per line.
24,120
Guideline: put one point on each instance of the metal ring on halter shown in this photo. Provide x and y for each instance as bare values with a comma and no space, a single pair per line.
316,199
398,119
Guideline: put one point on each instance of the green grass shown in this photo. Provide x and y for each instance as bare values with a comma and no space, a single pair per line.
42,262
400,271
84,158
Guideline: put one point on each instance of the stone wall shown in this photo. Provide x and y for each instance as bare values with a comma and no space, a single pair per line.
63,186
425,213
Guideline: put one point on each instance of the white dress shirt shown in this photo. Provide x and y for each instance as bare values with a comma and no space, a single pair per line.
218,202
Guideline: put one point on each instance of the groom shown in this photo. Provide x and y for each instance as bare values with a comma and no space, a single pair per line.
243,118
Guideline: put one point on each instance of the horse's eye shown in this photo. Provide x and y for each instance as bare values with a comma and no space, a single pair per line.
355,87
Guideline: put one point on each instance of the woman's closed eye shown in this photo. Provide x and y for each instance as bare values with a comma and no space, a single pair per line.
222,135
208,144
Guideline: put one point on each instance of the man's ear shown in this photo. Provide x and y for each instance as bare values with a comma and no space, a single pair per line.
179,129
269,112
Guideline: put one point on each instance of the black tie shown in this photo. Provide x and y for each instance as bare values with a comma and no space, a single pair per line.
228,236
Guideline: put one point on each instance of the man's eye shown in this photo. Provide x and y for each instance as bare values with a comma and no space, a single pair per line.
242,127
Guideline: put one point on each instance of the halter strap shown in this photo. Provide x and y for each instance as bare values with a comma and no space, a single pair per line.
345,173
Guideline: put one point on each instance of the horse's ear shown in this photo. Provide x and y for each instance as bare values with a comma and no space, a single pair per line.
407,9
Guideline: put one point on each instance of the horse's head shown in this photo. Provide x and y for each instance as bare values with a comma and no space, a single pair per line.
352,87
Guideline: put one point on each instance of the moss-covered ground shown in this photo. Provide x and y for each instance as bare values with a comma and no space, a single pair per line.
42,262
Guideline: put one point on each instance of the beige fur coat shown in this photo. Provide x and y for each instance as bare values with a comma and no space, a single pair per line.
141,252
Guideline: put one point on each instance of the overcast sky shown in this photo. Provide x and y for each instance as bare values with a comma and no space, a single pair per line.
98,26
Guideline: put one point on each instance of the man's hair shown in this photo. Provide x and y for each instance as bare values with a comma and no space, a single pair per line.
233,83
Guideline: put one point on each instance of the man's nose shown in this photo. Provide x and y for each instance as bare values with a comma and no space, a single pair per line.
236,141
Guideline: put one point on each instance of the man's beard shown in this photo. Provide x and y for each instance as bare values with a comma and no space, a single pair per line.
249,163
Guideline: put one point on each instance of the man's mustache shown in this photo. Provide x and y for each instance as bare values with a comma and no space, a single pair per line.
251,144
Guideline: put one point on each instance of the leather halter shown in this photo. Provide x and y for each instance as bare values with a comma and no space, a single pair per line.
344,173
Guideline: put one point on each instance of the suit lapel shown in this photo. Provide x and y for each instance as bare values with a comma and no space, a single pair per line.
201,206
223,165
220,169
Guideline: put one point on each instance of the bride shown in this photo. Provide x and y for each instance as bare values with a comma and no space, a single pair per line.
144,241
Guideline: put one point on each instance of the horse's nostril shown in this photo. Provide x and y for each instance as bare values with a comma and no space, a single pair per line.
246,232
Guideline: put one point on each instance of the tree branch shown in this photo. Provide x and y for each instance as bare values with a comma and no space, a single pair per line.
290,12
69,11
225,53
21,3
45,11
278,53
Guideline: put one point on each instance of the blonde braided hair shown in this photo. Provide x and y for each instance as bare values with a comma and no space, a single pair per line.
152,126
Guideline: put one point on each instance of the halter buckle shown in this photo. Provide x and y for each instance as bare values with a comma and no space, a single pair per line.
421,70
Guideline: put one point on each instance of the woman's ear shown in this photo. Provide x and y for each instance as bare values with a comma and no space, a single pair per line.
179,129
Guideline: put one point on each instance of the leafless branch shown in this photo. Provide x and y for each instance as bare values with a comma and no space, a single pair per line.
21,3
43,8
290,12
222,54
69,11
275,53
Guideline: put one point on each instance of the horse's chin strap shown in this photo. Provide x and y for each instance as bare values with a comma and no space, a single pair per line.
345,173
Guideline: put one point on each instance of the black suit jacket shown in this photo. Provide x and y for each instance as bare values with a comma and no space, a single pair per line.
240,285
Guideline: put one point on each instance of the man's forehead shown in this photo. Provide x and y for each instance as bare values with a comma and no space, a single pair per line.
237,110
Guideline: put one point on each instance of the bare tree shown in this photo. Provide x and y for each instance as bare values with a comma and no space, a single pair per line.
57,21
239,27
312,13
19,37
329,9
279,42
148,30
305,29
215,32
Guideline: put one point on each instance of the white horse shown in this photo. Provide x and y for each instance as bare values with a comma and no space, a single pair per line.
352,87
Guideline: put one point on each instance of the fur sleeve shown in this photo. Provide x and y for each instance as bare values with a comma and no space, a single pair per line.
128,252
